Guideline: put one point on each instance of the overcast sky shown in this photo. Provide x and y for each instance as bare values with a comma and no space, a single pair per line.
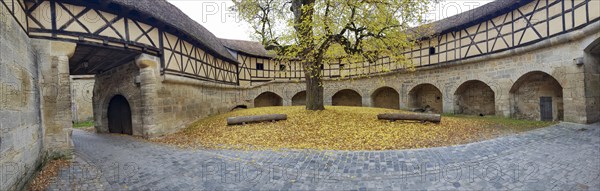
215,16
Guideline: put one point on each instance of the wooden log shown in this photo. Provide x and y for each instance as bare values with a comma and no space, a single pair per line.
436,118
255,118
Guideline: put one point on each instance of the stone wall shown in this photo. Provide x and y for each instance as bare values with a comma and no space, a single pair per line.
426,97
163,104
21,134
35,113
120,80
346,97
299,98
183,101
474,98
591,63
160,104
267,99
55,98
526,92
36,103
386,97
499,71
82,89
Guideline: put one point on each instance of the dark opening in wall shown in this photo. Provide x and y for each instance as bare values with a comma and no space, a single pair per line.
342,65
260,66
238,107
282,67
322,66
431,50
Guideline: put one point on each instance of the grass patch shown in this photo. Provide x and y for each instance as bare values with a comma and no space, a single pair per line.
509,125
341,128
83,124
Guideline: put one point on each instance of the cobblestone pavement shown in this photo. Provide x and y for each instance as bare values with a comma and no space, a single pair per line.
561,157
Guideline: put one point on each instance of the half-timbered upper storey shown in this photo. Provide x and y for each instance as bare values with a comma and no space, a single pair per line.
492,28
112,32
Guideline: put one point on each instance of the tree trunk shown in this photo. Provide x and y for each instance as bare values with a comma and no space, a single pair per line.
303,15
314,90
255,118
436,118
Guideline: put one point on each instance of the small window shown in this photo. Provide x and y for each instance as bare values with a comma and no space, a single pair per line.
431,50
322,66
260,66
282,67
342,65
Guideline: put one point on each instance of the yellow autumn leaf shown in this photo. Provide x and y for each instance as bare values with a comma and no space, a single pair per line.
340,128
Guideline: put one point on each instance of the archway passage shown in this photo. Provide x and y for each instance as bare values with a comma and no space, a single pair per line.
537,96
346,98
386,97
299,98
119,116
592,81
267,99
239,107
474,98
426,97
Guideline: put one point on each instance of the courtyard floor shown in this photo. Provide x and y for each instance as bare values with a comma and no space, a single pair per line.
561,157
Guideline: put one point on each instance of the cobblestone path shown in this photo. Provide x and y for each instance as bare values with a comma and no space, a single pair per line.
561,157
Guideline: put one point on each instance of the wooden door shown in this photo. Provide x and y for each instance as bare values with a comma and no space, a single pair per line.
546,108
119,116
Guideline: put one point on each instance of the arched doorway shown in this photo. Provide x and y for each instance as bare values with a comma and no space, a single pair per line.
474,98
239,107
119,116
346,97
299,98
537,96
426,97
267,99
386,97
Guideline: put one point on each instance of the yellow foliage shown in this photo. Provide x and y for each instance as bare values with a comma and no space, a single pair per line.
340,128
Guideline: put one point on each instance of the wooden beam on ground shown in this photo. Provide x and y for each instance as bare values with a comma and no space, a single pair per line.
436,118
255,118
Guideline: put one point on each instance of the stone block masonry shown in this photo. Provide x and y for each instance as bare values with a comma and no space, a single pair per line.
35,113
160,104
82,89
516,80
53,57
21,133
118,81
541,80
508,84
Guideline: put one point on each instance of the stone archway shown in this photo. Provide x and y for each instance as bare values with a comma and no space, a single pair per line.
537,96
239,107
346,97
591,66
426,97
386,97
299,98
267,99
119,116
474,97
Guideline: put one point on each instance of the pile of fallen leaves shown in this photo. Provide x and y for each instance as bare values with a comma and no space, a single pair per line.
48,174
340,128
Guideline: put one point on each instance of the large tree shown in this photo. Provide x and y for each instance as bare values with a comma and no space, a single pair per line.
319,32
